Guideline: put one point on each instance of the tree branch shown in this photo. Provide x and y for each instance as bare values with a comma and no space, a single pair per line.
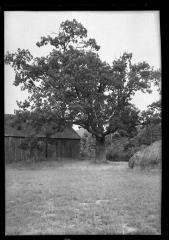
87,127
110,131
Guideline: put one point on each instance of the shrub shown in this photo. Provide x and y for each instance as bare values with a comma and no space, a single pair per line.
130,150
87,146
112,155
116,152
33,147
149,134
144,138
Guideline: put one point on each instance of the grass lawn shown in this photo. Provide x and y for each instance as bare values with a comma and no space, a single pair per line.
81,198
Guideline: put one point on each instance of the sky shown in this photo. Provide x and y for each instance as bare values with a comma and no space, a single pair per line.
136,32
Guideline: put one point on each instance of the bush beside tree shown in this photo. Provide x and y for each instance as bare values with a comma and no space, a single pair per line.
122,148
87,146
115,151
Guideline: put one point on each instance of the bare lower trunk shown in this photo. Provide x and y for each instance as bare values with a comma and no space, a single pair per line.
46,149
100,149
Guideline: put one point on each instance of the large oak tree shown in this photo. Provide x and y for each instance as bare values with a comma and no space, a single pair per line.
72,85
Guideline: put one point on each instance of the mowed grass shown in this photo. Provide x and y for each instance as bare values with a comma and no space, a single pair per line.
81,198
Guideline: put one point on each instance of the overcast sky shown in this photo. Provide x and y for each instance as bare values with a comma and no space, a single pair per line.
137,32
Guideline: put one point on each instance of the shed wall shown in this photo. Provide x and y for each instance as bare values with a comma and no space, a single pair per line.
56,149
67,148
12,152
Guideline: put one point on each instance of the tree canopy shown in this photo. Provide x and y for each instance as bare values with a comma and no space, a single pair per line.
72,85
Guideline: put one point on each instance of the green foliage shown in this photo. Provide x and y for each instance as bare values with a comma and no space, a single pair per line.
123,148
87,146
115,155
115,152
149,134
152,115
72,85
41,121
34,147
146,136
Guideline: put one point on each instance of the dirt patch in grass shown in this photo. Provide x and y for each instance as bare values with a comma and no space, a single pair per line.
81,198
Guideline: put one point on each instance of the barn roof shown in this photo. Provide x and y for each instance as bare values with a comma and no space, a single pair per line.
67,133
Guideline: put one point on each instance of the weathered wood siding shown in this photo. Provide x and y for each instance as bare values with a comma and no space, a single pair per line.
56,149
67,148
12,152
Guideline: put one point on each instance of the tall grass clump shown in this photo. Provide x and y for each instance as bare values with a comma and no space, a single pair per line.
148,157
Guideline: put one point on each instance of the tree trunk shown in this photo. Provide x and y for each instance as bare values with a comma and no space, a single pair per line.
100,154
46,148
151,134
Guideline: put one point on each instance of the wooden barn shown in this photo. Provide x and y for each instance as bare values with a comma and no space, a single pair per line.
65,144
